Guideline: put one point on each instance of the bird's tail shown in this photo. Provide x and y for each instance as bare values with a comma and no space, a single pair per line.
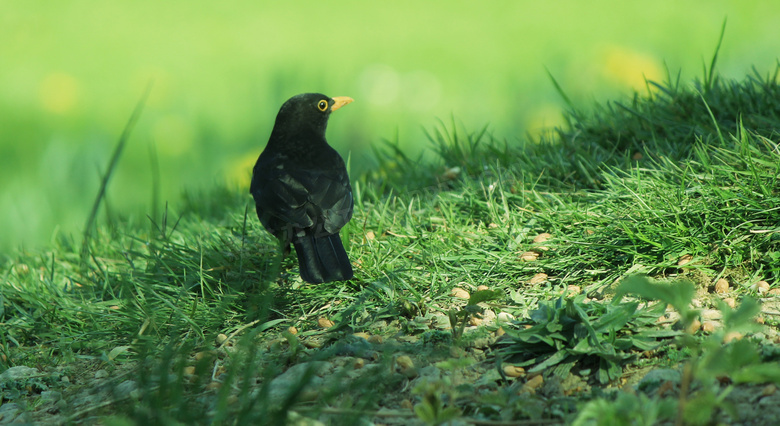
322,259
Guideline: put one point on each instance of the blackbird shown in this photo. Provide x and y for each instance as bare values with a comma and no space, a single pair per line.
301,188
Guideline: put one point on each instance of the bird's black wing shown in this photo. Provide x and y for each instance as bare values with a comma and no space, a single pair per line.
310,201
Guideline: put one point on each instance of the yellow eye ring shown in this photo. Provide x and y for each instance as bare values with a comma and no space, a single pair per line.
322,105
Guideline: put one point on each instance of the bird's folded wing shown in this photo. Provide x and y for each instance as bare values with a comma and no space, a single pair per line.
307,199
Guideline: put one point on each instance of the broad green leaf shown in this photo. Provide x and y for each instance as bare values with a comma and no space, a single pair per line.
554,359
117,351
758,373
678,294
742,318
615,319
485,296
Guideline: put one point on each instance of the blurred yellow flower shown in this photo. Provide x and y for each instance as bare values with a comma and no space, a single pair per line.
544,119
630,68
240,170
59,92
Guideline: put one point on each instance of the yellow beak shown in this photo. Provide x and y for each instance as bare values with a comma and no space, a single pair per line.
340,101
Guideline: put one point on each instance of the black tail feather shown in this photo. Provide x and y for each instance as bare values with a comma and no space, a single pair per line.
322,259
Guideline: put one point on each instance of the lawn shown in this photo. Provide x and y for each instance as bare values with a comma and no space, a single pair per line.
621,269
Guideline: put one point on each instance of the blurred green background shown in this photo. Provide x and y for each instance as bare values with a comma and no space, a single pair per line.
72,71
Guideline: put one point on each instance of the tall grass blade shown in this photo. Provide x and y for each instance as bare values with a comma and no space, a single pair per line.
111,167
709,76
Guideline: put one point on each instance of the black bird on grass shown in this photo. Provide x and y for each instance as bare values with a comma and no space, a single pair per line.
301,188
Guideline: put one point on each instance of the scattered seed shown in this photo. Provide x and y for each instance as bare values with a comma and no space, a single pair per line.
514,371
760,287
404,361
459,293
362,334
684,259
529,256
482,287
324,322
189,370
722,286
731,336
376,339
370,236
292,330
538,278
221,338
500,332
711,314
542,237
532,384
359,363
574,289
475,322
406,366
730,302
488,316
709,326
694,326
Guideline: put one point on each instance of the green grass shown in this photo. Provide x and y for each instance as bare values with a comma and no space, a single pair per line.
629,188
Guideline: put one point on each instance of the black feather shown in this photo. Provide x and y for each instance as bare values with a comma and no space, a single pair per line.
302,191
322,259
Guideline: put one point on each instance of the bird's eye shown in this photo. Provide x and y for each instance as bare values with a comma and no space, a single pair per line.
322,105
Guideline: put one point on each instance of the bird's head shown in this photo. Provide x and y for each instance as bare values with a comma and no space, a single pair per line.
308,111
